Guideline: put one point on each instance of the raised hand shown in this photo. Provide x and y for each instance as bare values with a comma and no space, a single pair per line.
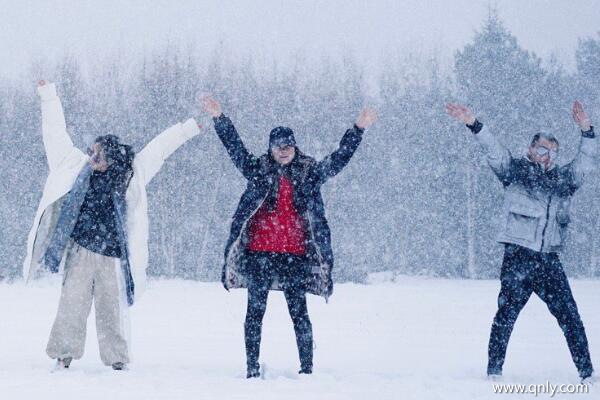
580,117
366,118
211,106
460,113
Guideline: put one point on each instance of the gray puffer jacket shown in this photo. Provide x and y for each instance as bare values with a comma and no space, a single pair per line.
536,202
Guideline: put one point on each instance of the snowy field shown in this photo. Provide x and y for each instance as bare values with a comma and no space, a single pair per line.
413,339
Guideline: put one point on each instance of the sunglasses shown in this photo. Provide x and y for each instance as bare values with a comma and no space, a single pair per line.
95,157
90,152
543,151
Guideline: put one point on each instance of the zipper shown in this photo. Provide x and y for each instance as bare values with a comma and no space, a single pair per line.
547,220
310,225
246,223
33,248
313,237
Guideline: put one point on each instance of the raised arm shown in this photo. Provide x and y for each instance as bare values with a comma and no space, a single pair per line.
498,156
245,161
336,161
151,158
57,142
584,161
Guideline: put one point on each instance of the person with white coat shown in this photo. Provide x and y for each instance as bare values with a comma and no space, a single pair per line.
92,224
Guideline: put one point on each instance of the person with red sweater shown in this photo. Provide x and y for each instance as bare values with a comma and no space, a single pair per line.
280,238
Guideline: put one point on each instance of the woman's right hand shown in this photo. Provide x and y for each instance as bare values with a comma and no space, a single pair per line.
211,106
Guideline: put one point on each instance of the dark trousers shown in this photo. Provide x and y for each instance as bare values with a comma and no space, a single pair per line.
291,271
524,272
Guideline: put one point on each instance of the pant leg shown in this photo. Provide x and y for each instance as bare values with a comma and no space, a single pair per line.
552,286
294,289
111,310
516,288
67,338
258,275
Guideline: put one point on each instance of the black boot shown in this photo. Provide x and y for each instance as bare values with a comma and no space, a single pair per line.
119,366
305,370
63,363
253,372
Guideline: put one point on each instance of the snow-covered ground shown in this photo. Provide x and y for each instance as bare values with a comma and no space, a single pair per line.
413,339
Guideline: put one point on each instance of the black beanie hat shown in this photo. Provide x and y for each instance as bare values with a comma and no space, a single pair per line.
281,136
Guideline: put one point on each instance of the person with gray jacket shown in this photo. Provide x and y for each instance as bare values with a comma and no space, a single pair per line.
537,195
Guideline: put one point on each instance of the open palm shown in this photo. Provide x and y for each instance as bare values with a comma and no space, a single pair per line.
580,117
460,113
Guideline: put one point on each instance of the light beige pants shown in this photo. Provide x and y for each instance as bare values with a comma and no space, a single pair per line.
90,276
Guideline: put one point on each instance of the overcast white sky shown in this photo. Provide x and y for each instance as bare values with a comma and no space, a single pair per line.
274,29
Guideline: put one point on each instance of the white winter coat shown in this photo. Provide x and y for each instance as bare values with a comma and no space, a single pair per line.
65,161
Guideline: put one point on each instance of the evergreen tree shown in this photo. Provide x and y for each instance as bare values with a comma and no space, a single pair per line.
587,56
